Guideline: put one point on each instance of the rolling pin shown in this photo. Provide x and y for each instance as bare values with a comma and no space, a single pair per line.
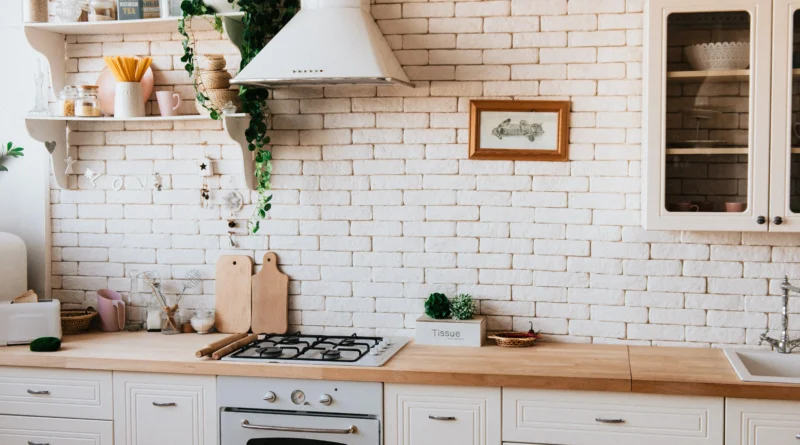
234,346
211,347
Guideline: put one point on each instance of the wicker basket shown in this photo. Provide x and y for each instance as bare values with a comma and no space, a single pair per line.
76,321
218,99
514,339
212,62
215,80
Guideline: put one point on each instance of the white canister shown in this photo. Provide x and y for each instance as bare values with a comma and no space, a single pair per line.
128,100
13,266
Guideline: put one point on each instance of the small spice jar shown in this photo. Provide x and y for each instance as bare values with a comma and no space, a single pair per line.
36,11
102,11
87,104
66,101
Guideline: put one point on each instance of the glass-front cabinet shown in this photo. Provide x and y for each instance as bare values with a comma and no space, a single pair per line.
707,118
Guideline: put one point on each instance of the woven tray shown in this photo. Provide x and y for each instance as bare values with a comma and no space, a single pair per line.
76,321
513,339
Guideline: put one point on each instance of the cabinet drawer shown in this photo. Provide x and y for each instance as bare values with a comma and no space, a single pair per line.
594,418
762,422
435,415
56,393
157,409
18,430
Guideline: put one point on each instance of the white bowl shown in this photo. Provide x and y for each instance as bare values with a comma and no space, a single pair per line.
719,56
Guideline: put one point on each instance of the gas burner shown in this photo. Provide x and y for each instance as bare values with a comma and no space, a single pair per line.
269,352
331,354
290,341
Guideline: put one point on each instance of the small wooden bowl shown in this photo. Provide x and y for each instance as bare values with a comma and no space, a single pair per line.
514,339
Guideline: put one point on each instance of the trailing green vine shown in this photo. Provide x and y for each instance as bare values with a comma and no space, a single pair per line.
196,8
262,21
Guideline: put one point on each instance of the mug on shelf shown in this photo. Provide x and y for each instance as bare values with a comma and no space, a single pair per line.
168,102
683,207
735,207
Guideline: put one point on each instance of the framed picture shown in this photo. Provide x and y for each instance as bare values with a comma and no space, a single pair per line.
519,130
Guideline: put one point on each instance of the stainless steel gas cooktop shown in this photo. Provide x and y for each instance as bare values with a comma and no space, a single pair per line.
320,350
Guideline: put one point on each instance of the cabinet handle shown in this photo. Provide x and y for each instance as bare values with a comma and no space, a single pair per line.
163,405
777,220
761,220
797,437
614,421
442,418
30,442
286,429
38,393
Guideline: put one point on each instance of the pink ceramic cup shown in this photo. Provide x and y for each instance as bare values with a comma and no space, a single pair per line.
168,102
111,309
735,207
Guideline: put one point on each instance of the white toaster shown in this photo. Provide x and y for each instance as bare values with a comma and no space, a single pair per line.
23,323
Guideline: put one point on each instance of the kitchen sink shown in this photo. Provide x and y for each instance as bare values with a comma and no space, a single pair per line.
765,366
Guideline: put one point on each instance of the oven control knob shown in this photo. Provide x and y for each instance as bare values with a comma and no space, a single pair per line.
325,399
270,397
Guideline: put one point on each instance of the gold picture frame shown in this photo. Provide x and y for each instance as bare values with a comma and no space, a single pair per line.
530,130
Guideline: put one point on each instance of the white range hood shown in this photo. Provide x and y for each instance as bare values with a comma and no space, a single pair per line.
328,42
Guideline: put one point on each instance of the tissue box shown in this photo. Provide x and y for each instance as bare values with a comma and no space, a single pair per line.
449,332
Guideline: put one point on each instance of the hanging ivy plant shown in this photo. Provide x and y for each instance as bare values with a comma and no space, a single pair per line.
262,20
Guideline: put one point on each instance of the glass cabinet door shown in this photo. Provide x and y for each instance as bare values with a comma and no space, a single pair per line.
785,160
708,115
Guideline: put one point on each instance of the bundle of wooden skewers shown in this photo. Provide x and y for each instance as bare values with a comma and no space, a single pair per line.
128,69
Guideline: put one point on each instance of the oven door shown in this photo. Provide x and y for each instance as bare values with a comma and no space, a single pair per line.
248,427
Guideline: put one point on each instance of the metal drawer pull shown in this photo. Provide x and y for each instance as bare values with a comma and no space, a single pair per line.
38,393
286,429
163,405
35,443
615,421
441,417
797,437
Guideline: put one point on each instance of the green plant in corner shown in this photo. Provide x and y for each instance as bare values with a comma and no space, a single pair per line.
437,306
463,307
262,20
9,151
191,9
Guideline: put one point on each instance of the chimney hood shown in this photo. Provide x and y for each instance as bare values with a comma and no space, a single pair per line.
328,42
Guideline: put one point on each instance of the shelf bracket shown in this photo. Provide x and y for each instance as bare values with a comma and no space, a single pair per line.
234,29
50,45
53,134
235,126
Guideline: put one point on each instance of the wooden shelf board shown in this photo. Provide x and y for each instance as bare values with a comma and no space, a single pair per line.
708,76
144,26
708,151
190,117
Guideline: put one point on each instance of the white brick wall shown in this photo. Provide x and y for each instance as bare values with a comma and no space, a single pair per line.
377,206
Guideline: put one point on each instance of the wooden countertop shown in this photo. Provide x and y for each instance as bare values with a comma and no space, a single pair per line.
681,371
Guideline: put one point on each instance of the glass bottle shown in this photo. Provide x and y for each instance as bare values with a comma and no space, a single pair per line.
87,105
66,101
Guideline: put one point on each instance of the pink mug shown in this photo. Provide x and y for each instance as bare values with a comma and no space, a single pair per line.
111,309
168,102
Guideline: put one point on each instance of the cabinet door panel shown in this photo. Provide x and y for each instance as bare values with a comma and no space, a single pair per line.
152,409
707,126
18,430
761,422
435,415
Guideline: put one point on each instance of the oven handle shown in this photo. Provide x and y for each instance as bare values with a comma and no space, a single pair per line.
246,424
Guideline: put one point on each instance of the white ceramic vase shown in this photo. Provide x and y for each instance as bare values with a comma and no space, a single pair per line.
128,100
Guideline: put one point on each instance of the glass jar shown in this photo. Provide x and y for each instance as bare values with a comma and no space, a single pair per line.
68,11
102,11
170,322
203,321
87,104
66,101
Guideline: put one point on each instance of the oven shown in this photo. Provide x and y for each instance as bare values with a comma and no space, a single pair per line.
250,427
266,411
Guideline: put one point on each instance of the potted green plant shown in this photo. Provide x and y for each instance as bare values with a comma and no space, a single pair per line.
9,151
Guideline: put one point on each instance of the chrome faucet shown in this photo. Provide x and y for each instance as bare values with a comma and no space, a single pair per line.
785,345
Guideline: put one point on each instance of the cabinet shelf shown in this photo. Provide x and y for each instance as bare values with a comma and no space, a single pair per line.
188,117
718,76
716,151
143,26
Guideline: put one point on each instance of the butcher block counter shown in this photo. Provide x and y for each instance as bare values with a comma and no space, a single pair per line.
678,371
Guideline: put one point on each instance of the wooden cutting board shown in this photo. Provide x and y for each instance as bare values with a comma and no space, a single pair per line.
270,298
234,273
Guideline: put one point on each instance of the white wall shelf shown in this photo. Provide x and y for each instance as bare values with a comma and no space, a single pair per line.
52,132
49,40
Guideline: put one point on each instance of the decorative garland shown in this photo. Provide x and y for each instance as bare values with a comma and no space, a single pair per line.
262,21
9,151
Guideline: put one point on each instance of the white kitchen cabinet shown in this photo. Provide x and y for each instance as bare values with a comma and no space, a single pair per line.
19,430
761,422
64,393
159,409
597,418
436,415
707,131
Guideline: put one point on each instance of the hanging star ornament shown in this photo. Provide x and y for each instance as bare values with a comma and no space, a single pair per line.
92,176
70,162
